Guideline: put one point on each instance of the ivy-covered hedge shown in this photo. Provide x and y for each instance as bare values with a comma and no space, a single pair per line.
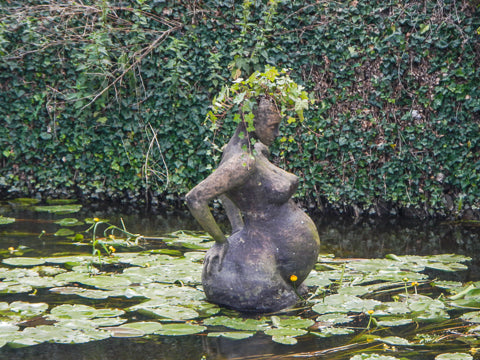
107,99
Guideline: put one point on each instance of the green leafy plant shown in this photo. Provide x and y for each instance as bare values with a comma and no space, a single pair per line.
100,243
89,89
243,94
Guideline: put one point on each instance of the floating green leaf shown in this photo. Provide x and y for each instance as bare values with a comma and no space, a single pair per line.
24,201
373,357
343,304
334,318
6,220
67,259
285,332
167,312
60,201
285,340
58,334
23,261
26,310
235,335
237,323
59,209
291,322
124,331
147,327
394,340
69,222
78,311
454,356
180,329
473,317
333,331
64,232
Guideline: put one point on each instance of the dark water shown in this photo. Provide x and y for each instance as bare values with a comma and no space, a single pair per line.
343,237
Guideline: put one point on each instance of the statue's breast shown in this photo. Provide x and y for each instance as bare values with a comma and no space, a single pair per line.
268,185
276,184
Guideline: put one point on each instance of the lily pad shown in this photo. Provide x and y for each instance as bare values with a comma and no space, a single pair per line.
69,222
27,310
344,304
180,329
147,327
354,290
59,209
333,331
295,322
98,281
334,318
78,311
235,335
373,357
285,332
446,266
454,356
391,322
6,220
285,340
171,252
394,340
237,323
189,240
473,317
23,261
24,201
57,334
66,259
60,201
13,287
168,312
317,278
64,232
124,331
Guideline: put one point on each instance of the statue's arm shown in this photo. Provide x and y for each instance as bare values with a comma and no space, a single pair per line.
229,174
233,213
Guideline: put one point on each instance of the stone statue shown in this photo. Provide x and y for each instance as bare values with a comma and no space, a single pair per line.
274,245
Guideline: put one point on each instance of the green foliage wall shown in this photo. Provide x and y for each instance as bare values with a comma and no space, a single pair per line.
108,99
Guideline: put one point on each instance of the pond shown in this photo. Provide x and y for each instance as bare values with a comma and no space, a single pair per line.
382,289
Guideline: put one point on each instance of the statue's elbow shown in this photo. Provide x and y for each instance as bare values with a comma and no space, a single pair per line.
192,201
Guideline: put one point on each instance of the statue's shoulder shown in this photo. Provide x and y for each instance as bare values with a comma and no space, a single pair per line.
262,149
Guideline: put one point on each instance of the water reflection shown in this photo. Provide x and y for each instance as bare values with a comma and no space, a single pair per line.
375,238
343,237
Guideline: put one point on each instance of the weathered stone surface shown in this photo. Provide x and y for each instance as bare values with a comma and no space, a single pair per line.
271,240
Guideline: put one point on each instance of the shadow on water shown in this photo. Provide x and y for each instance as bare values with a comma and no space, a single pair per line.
342,237
375,238
199,347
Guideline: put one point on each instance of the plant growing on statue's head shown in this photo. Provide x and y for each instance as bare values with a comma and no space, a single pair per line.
240,99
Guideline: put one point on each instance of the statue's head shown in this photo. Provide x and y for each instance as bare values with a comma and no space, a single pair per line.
267,121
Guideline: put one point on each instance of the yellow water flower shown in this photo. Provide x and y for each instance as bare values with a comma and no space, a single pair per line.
112,249
293,278
111,237
96,219
370,312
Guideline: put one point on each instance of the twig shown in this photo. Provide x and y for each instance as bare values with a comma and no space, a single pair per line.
146,51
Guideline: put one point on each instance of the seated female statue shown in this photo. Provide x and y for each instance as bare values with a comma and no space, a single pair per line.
274,245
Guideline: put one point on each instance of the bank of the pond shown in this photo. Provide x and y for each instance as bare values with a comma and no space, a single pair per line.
104,106
141,202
